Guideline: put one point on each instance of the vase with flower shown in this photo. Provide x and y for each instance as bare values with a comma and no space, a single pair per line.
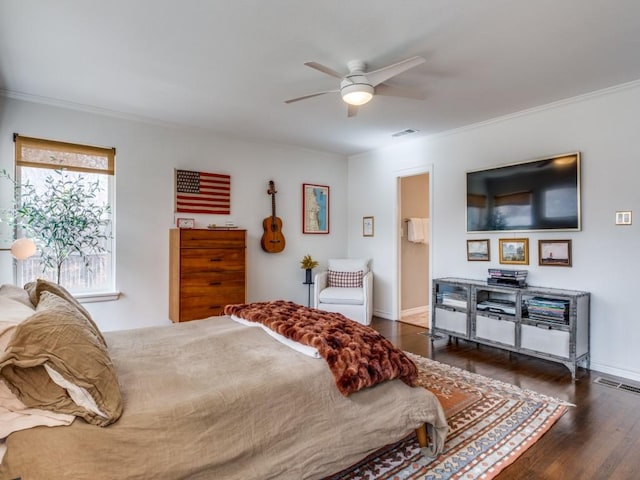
308,264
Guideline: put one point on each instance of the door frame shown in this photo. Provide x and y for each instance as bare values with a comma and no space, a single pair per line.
398,222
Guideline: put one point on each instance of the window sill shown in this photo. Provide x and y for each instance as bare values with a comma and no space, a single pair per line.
97,297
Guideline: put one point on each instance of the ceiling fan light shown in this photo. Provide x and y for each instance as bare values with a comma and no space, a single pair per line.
357,94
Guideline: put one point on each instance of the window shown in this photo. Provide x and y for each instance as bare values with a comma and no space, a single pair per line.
41,163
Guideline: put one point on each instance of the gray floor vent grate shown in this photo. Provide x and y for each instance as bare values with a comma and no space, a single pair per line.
620,386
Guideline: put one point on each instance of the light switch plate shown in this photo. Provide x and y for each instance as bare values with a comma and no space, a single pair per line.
623,218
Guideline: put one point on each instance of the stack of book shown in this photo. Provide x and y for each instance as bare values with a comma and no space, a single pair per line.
453,299
507,278
548,309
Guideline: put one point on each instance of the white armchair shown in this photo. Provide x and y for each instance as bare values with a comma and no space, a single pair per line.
347,288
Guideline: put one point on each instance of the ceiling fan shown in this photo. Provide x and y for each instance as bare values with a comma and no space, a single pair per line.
359,86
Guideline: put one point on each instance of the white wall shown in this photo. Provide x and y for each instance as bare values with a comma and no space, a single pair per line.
606,258
145,160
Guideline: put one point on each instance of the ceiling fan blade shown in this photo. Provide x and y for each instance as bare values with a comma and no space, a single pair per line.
352,110
391,91
323,69
376,77
297,99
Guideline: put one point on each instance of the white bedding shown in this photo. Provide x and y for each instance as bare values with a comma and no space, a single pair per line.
298,347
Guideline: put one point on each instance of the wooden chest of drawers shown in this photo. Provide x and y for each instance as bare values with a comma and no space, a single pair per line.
207,270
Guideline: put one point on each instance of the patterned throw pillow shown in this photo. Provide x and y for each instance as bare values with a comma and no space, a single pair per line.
345,279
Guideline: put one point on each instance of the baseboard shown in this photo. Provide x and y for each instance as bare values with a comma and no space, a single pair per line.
409,311
415,310
618,372
382,314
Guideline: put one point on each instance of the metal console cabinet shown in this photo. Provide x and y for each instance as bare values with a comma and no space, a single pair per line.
548,323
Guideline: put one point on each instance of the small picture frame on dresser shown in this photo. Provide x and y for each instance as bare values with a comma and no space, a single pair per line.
185,223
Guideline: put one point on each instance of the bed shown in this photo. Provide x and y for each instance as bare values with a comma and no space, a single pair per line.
217,399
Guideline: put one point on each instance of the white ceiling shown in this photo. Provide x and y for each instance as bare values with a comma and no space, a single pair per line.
228,66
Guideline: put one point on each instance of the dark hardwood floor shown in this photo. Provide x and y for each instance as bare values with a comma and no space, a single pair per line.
599,438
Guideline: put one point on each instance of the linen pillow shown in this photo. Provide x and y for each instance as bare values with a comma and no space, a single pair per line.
56,346
36,288
16,293
12,313
344,279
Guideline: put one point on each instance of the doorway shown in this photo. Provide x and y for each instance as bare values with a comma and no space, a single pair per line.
414,281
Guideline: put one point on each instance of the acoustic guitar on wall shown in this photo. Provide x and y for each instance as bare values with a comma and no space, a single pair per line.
272,239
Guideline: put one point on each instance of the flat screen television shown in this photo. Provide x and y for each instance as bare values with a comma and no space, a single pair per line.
541,194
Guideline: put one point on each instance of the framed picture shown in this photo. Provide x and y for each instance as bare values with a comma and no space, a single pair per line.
315,208
478,250
555,253
514,251
201,192
367,226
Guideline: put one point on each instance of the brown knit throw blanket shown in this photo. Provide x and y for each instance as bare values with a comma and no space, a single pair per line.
357,355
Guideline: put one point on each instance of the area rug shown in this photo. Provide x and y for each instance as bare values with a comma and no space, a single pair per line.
491,423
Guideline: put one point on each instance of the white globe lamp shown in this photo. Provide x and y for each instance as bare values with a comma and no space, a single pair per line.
23,248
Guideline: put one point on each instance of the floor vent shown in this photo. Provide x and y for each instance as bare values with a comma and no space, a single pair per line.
607,382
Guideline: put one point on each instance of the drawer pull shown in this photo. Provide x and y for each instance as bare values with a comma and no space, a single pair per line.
215,259
215,283
215,307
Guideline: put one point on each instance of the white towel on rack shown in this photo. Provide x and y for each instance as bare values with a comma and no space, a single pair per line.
418,230
415,230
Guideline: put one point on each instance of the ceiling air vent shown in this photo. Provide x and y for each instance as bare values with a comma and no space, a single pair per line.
408,131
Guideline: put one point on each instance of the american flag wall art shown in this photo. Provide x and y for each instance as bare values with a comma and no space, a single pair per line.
199,192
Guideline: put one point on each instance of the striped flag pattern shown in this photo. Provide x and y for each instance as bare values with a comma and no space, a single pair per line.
199,192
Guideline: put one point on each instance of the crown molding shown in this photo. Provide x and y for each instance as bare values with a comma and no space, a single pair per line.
541,108
80,107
